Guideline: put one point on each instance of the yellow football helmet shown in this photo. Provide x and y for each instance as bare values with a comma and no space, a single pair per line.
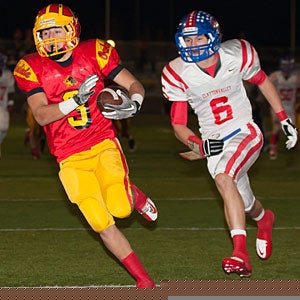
51,16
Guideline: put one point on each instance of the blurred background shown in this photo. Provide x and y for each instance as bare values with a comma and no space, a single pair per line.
43,234
144,31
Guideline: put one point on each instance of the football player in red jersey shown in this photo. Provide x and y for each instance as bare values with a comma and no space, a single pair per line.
208,75
61,81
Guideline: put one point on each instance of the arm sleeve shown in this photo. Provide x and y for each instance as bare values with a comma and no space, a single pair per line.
258,78
179,113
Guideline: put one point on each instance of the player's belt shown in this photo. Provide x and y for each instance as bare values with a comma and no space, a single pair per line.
230,135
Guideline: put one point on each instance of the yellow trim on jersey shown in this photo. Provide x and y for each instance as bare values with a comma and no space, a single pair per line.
103,51
24,70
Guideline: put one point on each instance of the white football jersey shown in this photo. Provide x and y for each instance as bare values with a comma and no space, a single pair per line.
220,102
7,85
287,90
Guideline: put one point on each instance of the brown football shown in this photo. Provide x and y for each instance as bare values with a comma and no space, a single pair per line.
109,95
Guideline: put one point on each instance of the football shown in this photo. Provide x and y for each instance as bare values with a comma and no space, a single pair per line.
110,95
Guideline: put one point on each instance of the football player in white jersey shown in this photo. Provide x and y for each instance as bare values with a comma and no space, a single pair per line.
208,75
7,89
287,83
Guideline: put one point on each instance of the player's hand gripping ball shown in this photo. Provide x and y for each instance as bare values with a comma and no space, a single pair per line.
110,95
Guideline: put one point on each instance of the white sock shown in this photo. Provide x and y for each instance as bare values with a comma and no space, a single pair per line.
260,216
234,232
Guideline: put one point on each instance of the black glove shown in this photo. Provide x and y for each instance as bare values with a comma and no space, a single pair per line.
205,148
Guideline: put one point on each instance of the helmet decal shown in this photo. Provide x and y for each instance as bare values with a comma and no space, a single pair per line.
198,23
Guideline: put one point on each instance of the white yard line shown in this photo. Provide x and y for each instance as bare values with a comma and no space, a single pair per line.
140,228
156,199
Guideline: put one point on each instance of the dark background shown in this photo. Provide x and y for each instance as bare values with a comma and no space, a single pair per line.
262,22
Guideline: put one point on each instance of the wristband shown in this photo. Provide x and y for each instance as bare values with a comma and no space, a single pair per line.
67,106
138,98
282,115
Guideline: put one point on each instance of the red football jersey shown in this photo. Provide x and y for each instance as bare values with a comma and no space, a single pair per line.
85,126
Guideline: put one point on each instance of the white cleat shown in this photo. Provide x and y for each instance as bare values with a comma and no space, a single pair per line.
149,211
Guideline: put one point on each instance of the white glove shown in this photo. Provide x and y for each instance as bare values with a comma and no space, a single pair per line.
290,131
126,110
84,92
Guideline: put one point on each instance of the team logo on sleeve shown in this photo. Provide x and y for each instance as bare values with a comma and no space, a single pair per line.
24,70
103,51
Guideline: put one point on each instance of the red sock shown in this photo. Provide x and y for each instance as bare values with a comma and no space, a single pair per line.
265,226
35,152
136,269
274,139
240,249
139,196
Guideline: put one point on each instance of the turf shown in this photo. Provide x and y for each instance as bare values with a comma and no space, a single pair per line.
45,241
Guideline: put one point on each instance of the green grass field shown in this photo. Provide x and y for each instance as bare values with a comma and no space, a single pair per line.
45,242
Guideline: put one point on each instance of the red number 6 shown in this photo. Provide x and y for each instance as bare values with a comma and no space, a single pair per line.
222,111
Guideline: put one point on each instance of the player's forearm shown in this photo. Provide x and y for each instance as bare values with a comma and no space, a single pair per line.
132,84
270,93
48,114
182,133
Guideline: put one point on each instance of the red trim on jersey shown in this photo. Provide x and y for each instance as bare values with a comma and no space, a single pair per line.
244,54
240,149
164,94
176,77
126,170
252,56
258,78
170,82
179,113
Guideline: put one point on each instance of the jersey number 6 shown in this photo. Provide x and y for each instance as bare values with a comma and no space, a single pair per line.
222,111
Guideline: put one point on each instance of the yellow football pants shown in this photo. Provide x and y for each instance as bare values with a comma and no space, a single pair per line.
97,181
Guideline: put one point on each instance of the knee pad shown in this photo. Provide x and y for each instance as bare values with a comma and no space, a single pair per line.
83,189
118,201
245,190
96,214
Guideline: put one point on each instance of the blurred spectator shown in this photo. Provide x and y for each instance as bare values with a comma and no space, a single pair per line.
257,114
123,127
34,136
146,55
22,43
7,90
287,82
28,45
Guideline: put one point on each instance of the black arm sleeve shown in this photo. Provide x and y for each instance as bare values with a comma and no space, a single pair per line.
115,72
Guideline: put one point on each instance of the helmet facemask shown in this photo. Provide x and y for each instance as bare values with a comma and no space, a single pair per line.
56,16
